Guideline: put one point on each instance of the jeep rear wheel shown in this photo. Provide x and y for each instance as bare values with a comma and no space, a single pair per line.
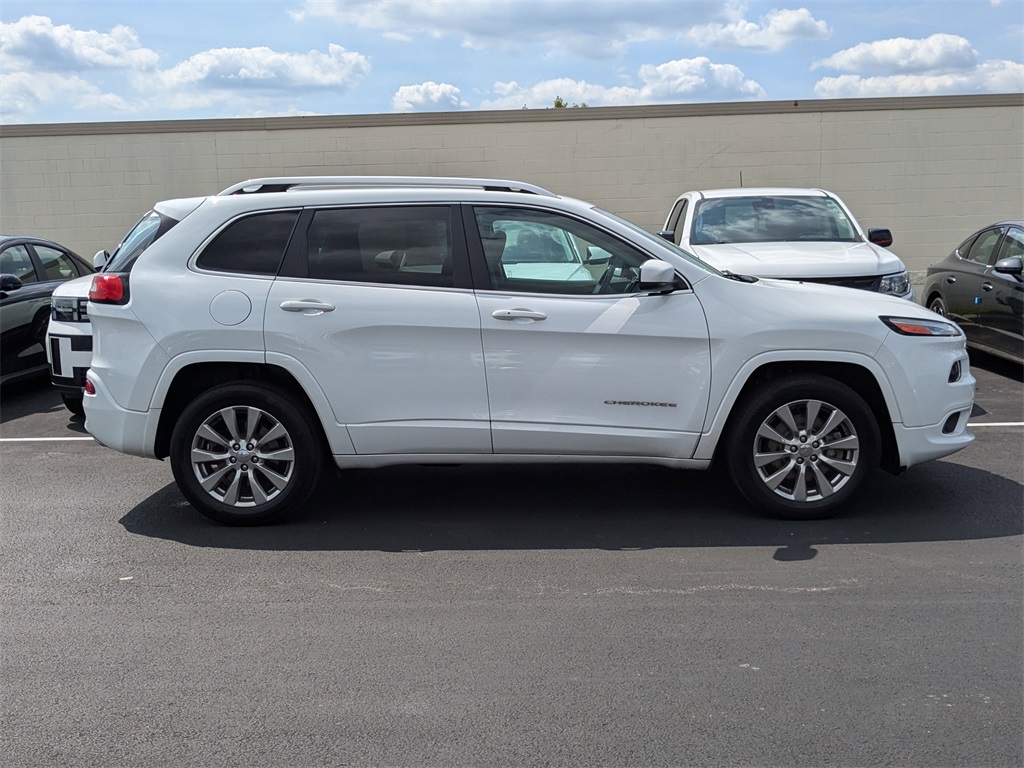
243,454
802,447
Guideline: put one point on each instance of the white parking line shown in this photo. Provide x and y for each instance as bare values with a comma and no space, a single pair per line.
995,424
44,439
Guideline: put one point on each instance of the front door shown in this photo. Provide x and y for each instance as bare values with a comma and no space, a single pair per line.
579,362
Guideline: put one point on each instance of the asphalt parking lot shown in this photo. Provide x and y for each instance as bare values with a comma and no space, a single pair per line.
509,616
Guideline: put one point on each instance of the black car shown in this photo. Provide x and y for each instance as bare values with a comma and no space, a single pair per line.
30,268
979,285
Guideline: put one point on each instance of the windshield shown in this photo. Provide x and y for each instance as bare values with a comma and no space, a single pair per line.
685,255
150,228
770,220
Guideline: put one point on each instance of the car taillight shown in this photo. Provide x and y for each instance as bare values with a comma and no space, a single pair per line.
109,289
90,388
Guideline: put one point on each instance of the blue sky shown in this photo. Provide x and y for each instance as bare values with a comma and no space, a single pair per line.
98,60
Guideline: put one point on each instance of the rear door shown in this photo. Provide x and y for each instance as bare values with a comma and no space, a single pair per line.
376,304
963,287
578,361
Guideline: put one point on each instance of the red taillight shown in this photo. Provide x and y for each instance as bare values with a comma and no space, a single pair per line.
109,288
89,388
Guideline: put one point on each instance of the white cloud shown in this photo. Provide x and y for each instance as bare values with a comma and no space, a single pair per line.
24,93
594,30
697,79
936,65
429,96
776,30
935,53
34,44
265,69
990,77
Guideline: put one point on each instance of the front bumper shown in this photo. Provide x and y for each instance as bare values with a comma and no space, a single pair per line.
921,444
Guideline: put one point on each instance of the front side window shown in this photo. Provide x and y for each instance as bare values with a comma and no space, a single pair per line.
677,220
57,265
1013,244
770,220
254,244
403,246
17,261
535,251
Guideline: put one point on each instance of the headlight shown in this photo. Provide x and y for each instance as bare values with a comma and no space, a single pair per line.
915,326
897,284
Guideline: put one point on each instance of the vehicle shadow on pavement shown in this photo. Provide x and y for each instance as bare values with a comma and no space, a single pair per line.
610,507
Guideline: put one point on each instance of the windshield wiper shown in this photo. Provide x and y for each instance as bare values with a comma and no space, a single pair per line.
740,278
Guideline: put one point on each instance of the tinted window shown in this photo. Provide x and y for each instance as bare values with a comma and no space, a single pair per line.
983,250
57,265
677,220
770,219
541,252
17,261
1013,244
254,245
407,246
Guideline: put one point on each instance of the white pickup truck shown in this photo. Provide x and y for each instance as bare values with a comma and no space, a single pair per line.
791,234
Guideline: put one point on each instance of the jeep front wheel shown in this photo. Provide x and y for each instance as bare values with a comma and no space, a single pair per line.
802,447
244,454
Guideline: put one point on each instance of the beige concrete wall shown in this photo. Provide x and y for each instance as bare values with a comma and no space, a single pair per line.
932,169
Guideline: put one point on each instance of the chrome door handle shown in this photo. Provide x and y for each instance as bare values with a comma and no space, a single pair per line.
306,306
987,286
518,314
950,279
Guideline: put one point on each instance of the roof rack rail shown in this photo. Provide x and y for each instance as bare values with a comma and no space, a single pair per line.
286,183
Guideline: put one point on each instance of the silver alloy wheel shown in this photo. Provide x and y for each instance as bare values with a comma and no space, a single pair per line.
806,450
242,456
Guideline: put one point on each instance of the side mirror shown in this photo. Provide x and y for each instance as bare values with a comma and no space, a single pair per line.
9,282
99,261
668,234
1013,266
882,237
597,255
657,277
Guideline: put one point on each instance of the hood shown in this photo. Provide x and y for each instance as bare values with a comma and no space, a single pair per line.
808,259
77,288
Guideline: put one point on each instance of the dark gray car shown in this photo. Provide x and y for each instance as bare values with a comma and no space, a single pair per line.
30,268
979,285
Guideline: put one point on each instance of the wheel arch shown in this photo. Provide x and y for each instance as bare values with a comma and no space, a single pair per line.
194,379
859,377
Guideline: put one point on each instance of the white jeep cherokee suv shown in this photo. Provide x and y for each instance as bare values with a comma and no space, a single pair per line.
371,321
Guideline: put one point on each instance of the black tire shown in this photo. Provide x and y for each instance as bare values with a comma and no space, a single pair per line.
73,403
937,305
255,470
801,447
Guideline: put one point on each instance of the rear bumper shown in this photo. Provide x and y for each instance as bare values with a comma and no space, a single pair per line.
131,432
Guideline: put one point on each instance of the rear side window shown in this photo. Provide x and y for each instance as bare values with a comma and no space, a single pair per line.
983,249
404,246
57,265
254,245
150,228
